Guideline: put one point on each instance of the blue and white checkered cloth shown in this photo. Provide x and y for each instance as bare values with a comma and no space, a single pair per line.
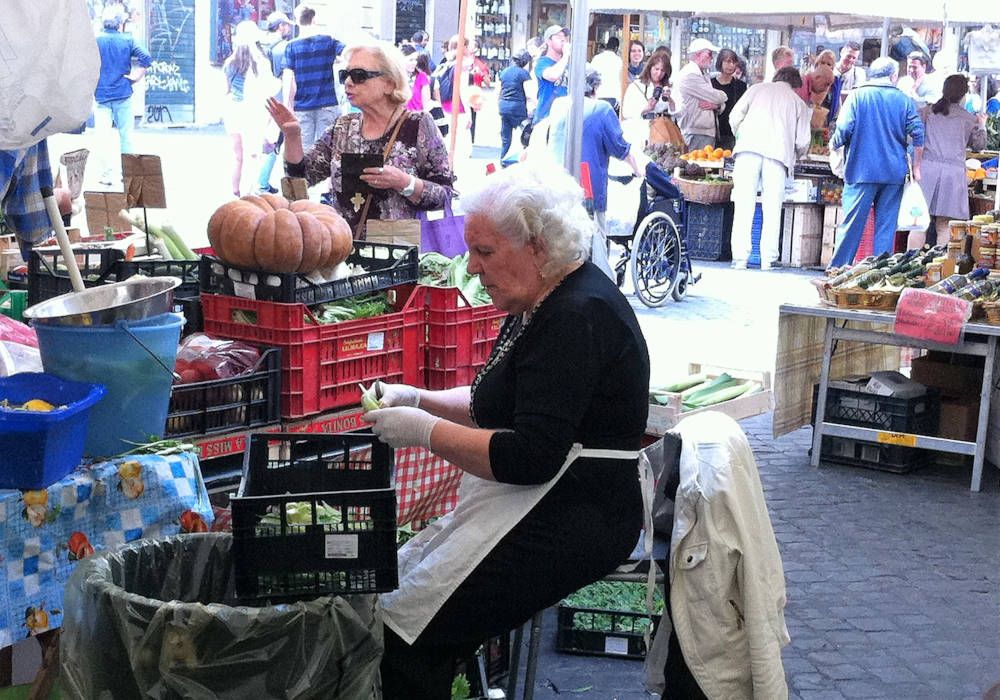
23,174
103,504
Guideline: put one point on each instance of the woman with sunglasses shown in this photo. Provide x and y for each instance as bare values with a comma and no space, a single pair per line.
415,175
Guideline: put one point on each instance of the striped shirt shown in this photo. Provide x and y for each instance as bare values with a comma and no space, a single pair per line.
311,60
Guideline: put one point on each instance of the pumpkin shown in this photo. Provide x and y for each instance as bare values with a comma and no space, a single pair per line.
271,234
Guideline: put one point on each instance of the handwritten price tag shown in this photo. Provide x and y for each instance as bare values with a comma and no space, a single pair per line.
930,316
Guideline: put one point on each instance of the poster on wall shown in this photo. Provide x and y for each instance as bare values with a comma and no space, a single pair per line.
226,14
170,33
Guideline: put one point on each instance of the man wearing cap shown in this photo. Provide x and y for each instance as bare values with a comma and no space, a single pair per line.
916,83
700,103
308,77
123,62
550,70
873,127
282,30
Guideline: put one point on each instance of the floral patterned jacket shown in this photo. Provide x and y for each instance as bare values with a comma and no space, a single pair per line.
419,150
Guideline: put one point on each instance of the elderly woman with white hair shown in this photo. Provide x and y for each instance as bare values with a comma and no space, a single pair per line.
548,436
414,175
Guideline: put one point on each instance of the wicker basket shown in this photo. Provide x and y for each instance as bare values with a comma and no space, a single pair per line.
704,191
991,311
854,298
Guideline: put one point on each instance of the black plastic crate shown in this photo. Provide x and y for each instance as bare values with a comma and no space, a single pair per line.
496,651
226,405
191,308
596,632
385,265
185,270
873,455
708,228
350,473
855,407
48,276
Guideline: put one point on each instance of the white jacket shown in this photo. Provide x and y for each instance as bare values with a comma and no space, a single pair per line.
693,86
727,585
771,120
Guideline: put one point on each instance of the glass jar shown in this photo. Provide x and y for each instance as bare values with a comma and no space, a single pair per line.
989,236
958,230
987,257
932,273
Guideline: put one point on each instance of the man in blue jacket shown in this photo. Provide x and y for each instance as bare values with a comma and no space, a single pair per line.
114,85
873,126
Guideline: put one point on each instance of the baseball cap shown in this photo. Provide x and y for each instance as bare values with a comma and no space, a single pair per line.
553,30
276,18
701,45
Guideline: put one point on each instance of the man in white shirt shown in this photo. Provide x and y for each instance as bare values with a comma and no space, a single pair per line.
700,103
847,73
609,64
916,83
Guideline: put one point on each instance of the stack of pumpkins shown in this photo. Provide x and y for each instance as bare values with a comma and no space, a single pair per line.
271,234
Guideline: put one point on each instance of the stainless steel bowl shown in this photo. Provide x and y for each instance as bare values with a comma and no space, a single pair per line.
133,299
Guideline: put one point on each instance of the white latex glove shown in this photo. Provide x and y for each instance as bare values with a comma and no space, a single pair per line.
402,426
391,395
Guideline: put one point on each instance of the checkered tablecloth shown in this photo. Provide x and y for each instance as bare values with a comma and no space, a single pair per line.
426,485
42,533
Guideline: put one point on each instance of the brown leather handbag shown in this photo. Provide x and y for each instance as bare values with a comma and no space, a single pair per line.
662,129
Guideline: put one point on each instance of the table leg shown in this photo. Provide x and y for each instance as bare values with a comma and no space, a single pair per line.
6,666
984,413
824,379
45,679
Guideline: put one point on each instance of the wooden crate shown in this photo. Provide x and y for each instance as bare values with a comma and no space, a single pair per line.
802,234
832,217
663,418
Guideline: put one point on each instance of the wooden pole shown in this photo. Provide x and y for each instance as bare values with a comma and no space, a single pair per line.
626,58
456,81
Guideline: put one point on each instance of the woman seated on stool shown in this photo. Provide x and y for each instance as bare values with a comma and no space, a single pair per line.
548,435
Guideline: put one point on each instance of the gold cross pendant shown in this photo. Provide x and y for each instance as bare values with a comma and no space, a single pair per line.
357,200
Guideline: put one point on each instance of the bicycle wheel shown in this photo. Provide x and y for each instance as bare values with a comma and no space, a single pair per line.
656,259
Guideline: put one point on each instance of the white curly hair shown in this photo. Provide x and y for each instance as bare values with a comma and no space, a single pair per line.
536,201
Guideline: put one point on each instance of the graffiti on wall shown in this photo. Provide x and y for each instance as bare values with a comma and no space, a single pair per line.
170,79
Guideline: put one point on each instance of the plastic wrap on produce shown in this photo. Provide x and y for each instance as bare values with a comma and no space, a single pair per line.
157,619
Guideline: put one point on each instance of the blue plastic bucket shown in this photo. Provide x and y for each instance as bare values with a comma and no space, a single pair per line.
135,407
39,448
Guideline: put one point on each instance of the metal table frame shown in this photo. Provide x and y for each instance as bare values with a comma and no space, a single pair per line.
978,339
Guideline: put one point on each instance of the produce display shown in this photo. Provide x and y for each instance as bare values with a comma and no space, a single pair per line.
701,390
271,234
437,270
363,306
707,155
885,272
202,358
168,242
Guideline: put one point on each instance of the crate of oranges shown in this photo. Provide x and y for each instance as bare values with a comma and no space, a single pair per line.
707,157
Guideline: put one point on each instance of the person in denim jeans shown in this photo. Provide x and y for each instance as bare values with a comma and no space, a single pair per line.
114,85
513,103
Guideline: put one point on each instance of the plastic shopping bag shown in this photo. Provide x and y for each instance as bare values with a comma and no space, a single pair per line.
913,213
48,71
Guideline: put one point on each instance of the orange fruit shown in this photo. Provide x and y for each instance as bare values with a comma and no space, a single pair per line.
727,153
683,156
717,153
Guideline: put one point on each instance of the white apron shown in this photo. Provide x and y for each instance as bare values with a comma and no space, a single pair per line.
441,556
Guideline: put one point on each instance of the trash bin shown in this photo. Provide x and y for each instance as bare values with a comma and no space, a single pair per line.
157,619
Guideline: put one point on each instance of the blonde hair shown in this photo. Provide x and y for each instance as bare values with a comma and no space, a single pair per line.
391,62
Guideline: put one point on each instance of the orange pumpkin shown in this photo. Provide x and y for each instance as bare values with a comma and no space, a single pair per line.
271,234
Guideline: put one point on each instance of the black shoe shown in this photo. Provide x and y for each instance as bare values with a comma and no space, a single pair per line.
270,189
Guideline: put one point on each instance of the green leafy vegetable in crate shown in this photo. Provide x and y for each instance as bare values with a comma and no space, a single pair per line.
353,308
614,595
437,270
299,513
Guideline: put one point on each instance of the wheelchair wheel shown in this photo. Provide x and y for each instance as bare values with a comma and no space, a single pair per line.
656,259
681,288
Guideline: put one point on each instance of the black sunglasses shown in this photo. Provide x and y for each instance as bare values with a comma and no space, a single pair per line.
358,75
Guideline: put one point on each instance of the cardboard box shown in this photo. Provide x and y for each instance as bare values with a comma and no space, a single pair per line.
953,379
802,234
959,419
801,190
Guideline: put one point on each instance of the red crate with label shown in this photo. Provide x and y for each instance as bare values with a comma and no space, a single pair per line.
322,364
460,336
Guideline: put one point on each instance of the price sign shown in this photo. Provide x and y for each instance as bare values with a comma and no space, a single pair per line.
930,316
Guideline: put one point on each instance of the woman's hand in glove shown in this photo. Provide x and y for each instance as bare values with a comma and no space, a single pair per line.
402,426
391,395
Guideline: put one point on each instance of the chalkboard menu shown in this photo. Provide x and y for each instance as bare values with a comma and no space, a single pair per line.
410,18
170,79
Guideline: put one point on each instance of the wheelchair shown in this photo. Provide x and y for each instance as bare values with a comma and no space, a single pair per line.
661,267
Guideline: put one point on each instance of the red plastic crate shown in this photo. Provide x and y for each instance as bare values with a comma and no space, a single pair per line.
459,337
867,244
323,364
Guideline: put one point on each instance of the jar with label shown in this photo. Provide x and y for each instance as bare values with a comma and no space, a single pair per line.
958,230
987,257
932,273
989,236
975,229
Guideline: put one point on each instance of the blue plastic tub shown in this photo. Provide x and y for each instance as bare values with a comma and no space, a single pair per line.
38,448
138,387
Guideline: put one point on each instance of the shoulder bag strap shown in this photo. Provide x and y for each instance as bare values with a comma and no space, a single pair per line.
385,157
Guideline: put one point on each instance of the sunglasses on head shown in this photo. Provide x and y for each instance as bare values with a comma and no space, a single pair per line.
358,75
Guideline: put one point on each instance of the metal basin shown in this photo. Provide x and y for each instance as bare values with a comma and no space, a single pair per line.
133,299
